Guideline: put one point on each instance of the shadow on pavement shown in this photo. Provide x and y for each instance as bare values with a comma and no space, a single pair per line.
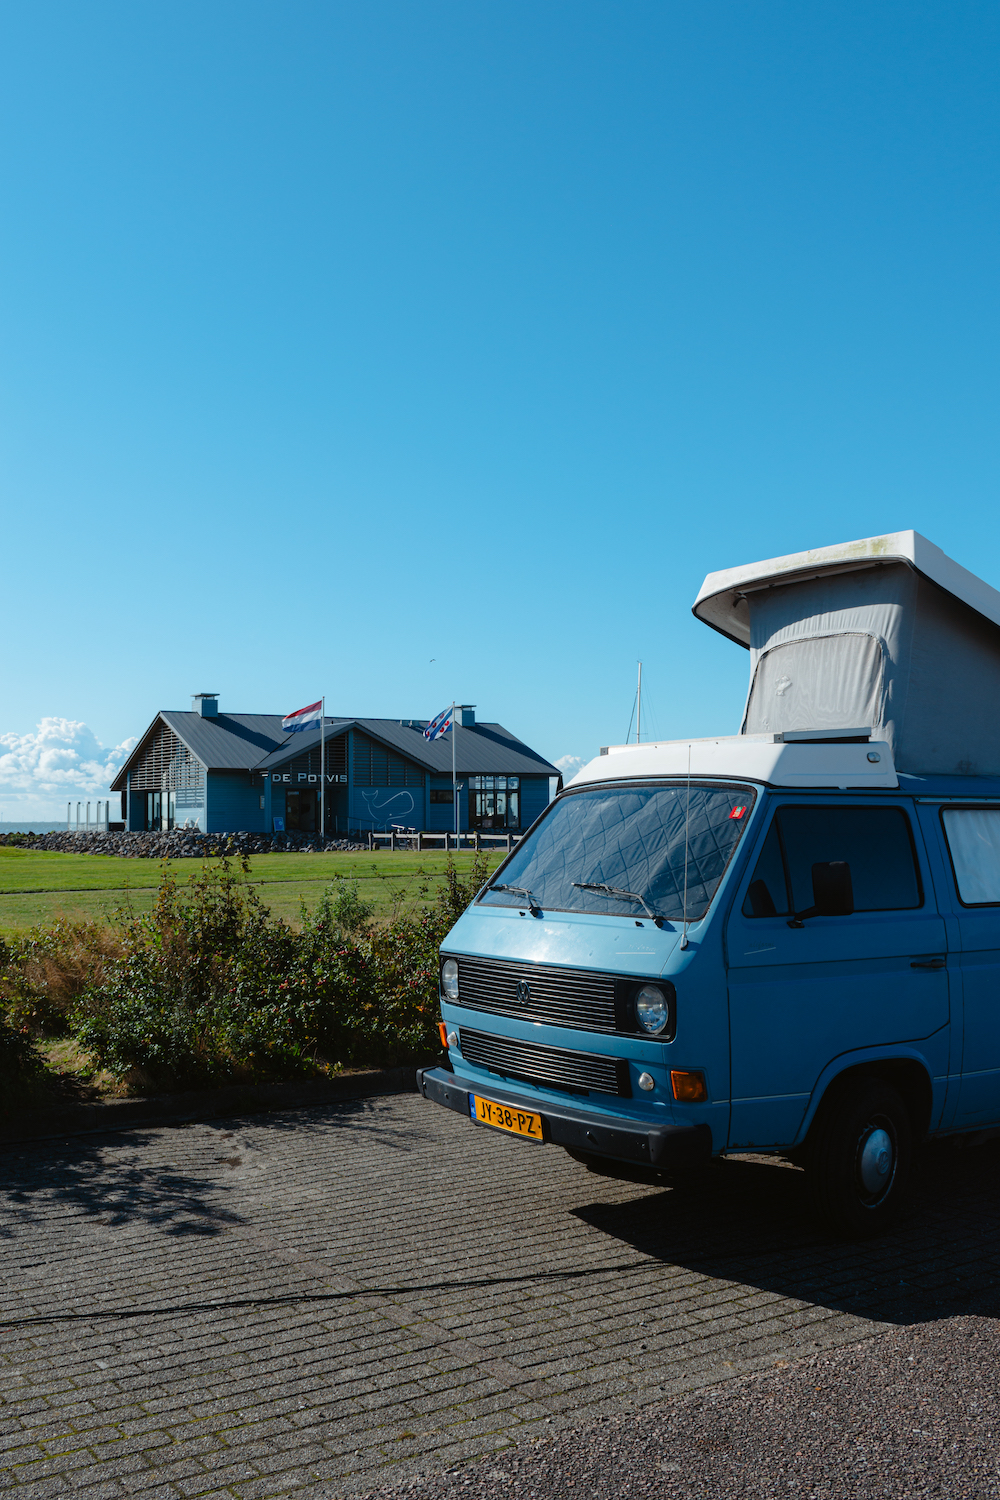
748,1221
109,1186
373,1117
108,1178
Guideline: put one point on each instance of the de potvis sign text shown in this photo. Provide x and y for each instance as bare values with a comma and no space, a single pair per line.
307,776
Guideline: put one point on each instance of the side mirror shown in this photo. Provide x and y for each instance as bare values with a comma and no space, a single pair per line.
833,893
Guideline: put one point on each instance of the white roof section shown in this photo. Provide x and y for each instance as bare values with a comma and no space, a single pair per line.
720,603
743,757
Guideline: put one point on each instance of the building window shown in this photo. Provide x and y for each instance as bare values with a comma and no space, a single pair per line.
494,802
442,796
161,811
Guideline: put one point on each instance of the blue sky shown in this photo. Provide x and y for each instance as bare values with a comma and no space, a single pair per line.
404,352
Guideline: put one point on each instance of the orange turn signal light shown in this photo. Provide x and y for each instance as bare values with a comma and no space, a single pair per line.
443,1034
689,1088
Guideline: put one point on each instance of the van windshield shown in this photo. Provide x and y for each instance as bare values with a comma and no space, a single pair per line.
630,841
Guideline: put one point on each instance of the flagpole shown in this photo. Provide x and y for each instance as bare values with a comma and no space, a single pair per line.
454,777
322,768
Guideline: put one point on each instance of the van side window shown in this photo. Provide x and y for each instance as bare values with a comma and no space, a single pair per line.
875,841
973,835
768,893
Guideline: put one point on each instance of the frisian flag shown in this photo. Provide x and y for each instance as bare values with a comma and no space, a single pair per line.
310,717
440,725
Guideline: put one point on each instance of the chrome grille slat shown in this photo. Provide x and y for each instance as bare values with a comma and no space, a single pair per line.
578,1072
559,997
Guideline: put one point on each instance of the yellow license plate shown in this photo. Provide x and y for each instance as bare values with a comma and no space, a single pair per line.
505,1117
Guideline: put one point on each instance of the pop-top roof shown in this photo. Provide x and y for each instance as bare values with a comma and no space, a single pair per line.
722,604
886,632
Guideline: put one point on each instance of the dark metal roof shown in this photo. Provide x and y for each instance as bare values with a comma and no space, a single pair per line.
227,742
240,742
480,749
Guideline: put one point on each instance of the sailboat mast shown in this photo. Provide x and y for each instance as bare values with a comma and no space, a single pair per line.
638,709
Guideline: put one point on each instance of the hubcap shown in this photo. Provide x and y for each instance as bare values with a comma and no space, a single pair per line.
876,1161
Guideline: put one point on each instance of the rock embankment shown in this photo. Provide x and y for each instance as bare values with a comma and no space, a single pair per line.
179,843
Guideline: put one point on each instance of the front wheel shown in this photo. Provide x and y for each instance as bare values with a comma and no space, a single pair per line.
860,1162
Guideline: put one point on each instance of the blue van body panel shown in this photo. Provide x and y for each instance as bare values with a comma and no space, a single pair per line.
567,938
974,961
801,997
978,1101
772,1014
627,946
925,1058
789,1020
943,888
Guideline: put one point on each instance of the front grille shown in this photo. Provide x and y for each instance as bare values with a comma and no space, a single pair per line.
576,1072
557,997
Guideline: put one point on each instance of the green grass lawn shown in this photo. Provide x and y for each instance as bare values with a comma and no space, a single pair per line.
36,887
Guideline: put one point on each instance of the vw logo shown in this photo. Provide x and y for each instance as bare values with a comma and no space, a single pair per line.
523,991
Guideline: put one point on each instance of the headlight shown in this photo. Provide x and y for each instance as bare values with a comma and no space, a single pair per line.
651,1009
449,979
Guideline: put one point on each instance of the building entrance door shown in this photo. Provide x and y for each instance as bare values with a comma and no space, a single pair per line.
160,811
301,811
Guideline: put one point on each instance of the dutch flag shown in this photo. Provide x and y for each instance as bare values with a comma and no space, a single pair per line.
304,718
439,726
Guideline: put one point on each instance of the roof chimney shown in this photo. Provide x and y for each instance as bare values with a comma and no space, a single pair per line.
206,704
466,715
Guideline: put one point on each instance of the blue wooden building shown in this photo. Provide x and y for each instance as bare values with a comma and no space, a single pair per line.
230,773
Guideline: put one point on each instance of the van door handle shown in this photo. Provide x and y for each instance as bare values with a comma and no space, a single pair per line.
927,963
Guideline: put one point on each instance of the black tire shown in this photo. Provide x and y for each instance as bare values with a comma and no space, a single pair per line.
860,1162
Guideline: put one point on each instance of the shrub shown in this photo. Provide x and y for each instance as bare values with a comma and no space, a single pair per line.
341,908
167,1008
209,986
44,974
20,1066
456,893
17,1052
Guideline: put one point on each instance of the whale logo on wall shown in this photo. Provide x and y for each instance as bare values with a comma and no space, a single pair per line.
394,808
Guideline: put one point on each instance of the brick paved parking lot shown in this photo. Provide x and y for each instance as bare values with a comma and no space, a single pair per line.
322,1300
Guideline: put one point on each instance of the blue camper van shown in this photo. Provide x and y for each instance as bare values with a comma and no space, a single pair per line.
785,941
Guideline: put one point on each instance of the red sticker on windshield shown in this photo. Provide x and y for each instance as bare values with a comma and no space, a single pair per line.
737,812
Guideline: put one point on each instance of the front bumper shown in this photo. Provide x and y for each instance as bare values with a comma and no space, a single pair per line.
666,1147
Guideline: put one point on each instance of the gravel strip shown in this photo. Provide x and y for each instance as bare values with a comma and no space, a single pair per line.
914,1412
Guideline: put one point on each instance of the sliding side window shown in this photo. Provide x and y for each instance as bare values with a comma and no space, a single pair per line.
973,835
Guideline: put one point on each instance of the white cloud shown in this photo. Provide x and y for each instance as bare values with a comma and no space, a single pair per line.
62,760
569,765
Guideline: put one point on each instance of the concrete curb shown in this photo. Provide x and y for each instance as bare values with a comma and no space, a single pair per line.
206,1104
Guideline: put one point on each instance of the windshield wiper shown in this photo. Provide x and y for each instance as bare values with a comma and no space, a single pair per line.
521,890
614,890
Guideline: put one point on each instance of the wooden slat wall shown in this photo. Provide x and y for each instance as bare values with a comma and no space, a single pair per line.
165,763
376,765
